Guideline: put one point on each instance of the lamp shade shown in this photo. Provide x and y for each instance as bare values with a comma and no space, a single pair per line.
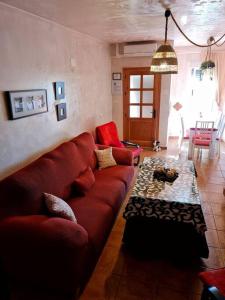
164,60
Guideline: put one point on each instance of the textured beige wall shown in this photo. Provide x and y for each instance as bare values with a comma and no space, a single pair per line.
34,53
128,62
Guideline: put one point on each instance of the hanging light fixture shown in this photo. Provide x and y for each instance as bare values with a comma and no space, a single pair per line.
208,65
164,61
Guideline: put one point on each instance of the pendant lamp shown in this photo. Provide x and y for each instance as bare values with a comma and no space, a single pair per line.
164,60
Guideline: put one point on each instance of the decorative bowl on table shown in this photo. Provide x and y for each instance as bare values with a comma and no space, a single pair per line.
165,174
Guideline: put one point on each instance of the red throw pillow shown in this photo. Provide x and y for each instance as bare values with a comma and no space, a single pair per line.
84,181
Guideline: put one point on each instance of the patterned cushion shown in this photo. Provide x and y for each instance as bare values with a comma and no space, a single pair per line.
84,181
105,158
59,208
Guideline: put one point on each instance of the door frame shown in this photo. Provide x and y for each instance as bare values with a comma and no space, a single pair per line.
157,94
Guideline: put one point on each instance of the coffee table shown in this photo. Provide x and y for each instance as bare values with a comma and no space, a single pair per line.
164,217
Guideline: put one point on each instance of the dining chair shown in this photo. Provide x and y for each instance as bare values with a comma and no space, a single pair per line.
184,134
202,137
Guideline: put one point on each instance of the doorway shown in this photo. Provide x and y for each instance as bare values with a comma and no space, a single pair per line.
141,104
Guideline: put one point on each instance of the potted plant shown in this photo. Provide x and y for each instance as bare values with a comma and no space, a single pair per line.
208,64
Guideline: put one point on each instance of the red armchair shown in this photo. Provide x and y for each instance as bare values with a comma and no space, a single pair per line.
107,135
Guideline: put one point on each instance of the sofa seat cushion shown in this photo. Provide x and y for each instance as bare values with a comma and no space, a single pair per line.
114,198
122,173
95,217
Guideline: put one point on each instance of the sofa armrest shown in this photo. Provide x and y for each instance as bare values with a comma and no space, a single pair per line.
122,156
43,251
130,144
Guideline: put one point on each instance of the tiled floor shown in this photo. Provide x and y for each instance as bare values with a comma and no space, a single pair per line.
120,276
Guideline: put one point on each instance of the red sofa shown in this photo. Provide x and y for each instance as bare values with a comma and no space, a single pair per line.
44,257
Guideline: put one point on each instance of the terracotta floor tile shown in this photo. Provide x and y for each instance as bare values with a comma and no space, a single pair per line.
216,180
177,278
196,285
220,222
169,294
148,270
221,237
215,259
195,297
212,197
209,219
131,288
218,209
222,166
115,239
111,261
101,287
212,238
206,207
215,188
223,256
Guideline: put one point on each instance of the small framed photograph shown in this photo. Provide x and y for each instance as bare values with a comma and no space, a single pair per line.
59,90
116,76
27,103
61,111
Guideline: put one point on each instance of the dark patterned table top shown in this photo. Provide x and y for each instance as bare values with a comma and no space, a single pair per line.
178,201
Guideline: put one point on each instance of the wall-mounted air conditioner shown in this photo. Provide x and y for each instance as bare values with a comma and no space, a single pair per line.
143,48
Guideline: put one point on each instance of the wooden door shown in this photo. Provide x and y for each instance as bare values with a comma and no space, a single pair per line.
141,103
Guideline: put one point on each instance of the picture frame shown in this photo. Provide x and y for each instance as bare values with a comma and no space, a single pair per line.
116,76
61,111
59,90
25,103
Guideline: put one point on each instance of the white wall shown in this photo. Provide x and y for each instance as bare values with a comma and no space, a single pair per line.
34,53
128,62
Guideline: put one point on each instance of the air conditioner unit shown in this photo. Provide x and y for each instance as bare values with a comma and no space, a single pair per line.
143,48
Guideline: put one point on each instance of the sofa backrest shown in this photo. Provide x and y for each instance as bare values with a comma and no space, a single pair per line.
86,145
22,192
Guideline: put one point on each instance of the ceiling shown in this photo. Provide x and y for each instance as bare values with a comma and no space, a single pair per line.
132,20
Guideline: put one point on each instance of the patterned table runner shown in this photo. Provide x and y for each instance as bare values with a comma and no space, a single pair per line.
178,201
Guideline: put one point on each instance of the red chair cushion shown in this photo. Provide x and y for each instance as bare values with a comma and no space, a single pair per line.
107,135
84,181
201,142
204,136
214,278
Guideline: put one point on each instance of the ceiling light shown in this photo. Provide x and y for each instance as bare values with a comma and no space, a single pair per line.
164,60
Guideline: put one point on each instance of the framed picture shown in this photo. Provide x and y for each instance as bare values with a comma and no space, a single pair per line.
27,103
59,90
61,111
116,76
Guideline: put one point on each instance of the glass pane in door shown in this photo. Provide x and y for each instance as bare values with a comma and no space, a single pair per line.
134,96
134,111
147,97
148,81
135,81
147,111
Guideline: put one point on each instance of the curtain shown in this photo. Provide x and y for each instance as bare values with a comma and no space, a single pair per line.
219,59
